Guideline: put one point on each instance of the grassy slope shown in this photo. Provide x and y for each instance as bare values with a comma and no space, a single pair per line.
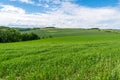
55,32
84,57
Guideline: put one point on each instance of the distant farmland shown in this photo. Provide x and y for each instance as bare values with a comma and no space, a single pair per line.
57,32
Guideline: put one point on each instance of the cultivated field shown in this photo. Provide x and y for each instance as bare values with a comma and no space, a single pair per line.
56,32
81,55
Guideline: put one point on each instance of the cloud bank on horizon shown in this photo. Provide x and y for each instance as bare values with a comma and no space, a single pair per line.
60,13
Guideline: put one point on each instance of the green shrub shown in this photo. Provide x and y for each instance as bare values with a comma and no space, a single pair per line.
13,35
29,36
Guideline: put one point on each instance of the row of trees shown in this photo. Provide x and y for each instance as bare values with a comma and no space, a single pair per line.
13,35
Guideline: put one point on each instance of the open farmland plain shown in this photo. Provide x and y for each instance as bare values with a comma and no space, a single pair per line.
89,55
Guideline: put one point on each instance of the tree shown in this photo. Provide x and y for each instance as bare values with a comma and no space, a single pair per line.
13,35
29,36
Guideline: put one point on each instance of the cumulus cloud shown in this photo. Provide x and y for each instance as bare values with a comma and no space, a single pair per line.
11,9
69,15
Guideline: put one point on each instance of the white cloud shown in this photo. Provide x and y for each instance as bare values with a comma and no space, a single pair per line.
25,1
12,0
69,15
11,9
52,3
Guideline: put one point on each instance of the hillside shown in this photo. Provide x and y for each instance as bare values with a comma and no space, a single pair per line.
59,32
87,56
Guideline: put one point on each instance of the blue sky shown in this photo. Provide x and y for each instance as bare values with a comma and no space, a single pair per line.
98,3
30,8
60,13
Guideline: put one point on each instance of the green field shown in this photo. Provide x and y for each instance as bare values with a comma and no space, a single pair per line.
56,32
77,55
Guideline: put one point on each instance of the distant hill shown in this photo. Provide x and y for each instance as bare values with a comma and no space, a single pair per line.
20,29
3,27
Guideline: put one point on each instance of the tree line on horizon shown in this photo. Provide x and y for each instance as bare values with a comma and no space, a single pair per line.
13,35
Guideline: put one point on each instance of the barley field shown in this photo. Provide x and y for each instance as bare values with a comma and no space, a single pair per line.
82,57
